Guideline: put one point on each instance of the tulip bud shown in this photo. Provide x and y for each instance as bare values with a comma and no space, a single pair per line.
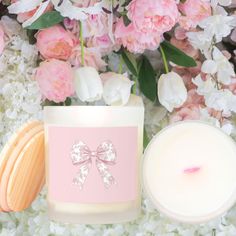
88,84
172,92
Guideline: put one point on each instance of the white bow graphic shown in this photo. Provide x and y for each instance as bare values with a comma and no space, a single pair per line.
83,157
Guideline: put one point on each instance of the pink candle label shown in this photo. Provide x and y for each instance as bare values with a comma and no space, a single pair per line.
93,165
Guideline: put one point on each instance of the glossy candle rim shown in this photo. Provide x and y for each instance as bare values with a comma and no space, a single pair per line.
179,217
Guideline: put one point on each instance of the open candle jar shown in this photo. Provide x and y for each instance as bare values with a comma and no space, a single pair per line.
93,162
189,172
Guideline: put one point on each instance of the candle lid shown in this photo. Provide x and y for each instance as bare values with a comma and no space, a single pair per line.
189,172
22,167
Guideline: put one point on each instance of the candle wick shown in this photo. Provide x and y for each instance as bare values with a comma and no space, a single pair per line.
192,170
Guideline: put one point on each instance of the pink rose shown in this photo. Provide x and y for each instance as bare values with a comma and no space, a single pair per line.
2,44
135,41
92,58
193,12
152,16
55,80
55,42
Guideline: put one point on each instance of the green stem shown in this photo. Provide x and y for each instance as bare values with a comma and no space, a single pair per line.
81,43
134,90
120,65
163,55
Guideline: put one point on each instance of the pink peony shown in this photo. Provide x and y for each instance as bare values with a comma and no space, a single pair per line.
2,44
193,12
135,41
152,16
55,79
102,43
55,42
96,25
92,58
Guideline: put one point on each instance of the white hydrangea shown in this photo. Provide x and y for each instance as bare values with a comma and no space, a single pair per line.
20,99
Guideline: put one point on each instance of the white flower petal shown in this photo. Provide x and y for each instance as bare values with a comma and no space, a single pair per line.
117,89
37,14
172,92
67,9
209,67
22,6
88,84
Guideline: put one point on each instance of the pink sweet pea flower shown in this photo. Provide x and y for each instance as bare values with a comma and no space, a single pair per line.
55,79
190,112
55,42
190,109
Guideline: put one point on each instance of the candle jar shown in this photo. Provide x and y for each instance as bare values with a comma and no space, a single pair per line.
189,172
93,162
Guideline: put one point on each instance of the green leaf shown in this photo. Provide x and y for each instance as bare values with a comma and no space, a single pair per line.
68,101
30,34
147,79
126,20
46,20
177,56
130,62
146,139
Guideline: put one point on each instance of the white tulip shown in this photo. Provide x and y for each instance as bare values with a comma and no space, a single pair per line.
88,84
172,92
116,88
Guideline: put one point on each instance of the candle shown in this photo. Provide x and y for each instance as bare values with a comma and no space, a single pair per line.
189,172
92,162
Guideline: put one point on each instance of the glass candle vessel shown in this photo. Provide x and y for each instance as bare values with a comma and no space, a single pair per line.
93,162
189,172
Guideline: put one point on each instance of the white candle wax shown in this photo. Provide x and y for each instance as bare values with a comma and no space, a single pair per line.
189,172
